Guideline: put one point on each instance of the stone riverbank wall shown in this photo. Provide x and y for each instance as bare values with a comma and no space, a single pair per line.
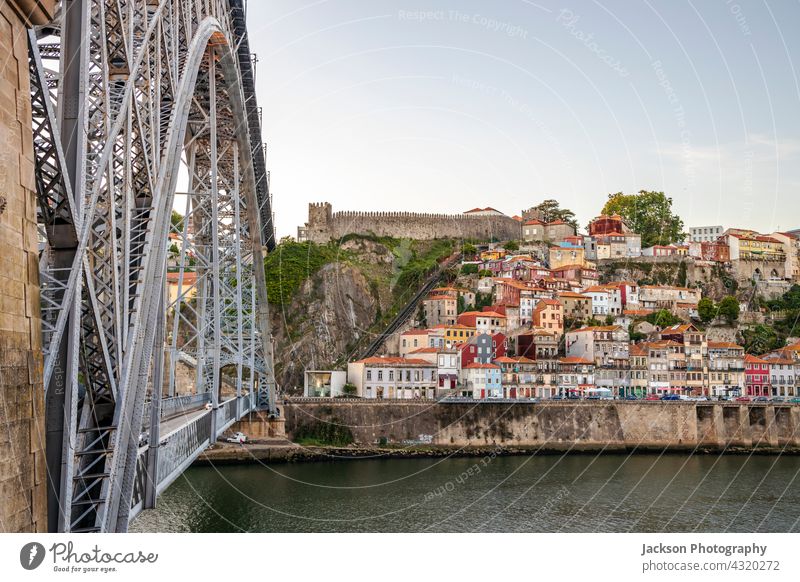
601,425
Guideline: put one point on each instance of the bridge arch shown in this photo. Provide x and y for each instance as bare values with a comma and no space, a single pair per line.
161,85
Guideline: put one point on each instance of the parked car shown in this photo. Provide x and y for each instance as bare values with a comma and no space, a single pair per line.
670,397
631,397
557,398
795,401
743,399
760,399
652,397
777,399
237,437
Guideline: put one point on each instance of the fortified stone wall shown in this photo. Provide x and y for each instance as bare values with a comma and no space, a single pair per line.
23,493
556,426
325,225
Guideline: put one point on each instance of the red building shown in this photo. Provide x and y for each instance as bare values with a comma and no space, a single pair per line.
756,376
483,349
715,251
605,224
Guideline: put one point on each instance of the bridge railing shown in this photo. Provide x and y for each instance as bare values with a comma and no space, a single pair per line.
180,448
175,405
227,415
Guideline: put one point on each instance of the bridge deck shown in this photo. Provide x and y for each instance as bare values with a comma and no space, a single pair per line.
185,433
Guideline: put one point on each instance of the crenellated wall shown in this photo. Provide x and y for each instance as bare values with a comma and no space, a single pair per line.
325,225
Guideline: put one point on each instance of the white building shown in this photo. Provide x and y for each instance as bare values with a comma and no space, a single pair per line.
482,380
411,340
705,233
602,298
490,322
393,378
603,345
448,364
324,383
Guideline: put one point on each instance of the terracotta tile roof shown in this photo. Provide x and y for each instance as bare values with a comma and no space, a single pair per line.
574,360
440,298
679,328
751,359
537,331
597,328
392,361
636,350
671,287
490,314
572,295
782,361
415,332
533,222
724,345
479,366
189,278
426,351
598,289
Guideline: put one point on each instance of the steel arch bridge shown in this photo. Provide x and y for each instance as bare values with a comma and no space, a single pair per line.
127,95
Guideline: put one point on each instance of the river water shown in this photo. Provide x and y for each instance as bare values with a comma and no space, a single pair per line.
545,493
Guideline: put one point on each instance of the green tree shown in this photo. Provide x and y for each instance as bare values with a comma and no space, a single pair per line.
469,249
706,310
469,269
729,308
663,318
176,219
349,390
551,210
484,273
649,214
511,246
609,319
760,339
635,336
461,306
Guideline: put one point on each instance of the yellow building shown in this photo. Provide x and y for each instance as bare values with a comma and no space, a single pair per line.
493,255
187,288
457,334
749,245
566,254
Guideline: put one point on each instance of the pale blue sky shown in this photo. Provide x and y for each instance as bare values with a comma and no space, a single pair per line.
443,106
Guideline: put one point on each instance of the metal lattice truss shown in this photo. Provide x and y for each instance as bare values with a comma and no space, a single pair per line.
124,94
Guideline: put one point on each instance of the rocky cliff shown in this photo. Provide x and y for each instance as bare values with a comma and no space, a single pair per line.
341,304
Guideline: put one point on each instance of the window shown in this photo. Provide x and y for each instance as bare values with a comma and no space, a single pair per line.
369,374
380,375
391,374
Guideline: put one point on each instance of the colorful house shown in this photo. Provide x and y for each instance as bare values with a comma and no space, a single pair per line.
756,376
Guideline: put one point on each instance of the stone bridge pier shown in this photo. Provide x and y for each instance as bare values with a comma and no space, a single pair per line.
23,491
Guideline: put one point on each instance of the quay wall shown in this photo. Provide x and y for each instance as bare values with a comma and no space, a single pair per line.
602,425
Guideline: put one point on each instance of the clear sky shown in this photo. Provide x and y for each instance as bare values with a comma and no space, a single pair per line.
442,106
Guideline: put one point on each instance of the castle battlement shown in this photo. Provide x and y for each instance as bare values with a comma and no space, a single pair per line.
325,225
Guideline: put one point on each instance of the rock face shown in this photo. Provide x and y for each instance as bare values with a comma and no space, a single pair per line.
332,310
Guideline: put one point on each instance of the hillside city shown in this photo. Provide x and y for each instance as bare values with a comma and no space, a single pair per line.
563,315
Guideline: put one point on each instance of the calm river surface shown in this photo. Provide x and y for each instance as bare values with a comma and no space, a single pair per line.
583,493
